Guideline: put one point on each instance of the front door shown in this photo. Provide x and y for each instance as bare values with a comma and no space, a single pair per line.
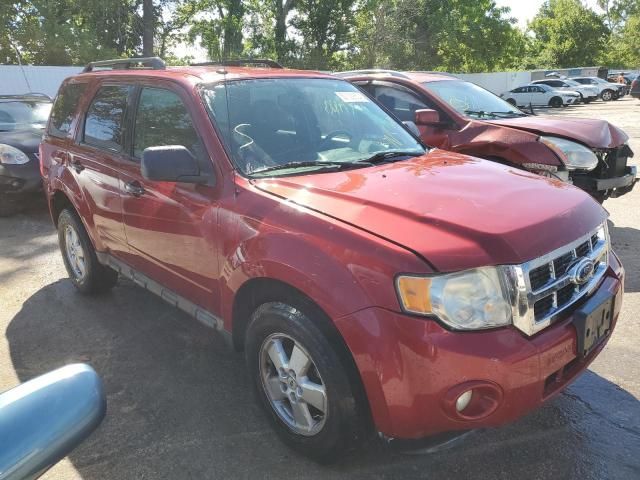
170,226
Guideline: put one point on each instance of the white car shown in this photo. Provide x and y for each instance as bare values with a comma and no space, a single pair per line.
540,95
608,91
588,93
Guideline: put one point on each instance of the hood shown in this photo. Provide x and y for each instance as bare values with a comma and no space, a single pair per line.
455,211
591,132
26,140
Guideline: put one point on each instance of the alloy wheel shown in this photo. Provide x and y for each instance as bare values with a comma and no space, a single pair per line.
606,96
292,384
75,253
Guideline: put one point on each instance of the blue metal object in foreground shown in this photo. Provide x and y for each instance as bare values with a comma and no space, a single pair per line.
44,419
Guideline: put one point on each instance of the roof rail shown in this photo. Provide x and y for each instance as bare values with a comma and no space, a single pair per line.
435,72
240,62
154,63
371,71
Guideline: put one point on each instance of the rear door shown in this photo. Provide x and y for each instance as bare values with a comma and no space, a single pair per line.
170,227
538,95
94,160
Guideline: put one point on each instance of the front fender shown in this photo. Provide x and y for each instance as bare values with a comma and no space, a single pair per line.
515,146
336,287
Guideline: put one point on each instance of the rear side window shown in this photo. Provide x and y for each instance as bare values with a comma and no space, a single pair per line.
64,109
103,125
162,119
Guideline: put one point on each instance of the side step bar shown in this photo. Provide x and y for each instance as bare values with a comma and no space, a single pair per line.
203,316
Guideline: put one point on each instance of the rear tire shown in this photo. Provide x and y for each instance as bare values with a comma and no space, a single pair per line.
280,338
85,271
555,102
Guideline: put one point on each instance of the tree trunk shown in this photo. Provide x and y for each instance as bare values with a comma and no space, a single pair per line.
148,27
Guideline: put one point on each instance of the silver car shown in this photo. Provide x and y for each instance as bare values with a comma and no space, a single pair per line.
588,93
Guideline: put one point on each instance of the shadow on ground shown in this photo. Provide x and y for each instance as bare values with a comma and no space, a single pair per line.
625,241
179,406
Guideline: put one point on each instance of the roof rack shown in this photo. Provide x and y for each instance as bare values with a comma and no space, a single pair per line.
240,62
153,63
371,71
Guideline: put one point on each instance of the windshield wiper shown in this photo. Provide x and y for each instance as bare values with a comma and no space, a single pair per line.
311,163
482,113
387,156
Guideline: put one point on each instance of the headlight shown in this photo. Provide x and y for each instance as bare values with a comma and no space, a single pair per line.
572,154
12,156
468,300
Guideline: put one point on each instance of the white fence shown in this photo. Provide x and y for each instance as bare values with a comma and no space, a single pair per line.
498,82
38,79
48,79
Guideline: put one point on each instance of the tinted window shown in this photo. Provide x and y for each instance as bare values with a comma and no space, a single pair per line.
401,103
64,109
162,119
105,117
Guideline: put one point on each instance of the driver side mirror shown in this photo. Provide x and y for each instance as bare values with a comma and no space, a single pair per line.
427,117
171,163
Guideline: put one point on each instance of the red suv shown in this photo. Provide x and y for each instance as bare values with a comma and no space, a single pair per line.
462,117
374,285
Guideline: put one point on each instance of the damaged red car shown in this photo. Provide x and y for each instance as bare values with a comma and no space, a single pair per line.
459,116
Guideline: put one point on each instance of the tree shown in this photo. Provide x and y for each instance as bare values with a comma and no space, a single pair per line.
568,34
218,24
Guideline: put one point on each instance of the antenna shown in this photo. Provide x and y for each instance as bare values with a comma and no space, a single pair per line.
24,74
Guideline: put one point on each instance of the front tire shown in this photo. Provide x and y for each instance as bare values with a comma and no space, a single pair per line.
512,102
301,383
607,95
555,102
85,271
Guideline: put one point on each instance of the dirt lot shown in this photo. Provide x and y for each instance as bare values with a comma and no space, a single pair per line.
180,405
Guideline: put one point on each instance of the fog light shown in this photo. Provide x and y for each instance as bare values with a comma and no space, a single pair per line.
463,400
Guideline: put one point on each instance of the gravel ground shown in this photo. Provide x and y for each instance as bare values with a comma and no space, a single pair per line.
179,401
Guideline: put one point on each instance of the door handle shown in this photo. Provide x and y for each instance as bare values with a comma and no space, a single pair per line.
134,188
77,166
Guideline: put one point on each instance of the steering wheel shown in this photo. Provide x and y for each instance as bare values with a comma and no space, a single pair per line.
333,134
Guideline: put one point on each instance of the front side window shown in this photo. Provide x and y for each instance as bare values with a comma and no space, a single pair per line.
104,122
399,102
473,101
298,125
64,109
162,119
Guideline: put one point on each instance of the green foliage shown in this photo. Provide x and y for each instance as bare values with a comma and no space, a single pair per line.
568,34
450,35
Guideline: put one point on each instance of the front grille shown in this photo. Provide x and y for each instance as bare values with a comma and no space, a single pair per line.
553,282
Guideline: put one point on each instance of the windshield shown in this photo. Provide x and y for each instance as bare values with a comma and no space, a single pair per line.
471,100
295,125
22,114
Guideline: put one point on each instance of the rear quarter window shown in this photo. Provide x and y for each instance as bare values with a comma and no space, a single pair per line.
64,109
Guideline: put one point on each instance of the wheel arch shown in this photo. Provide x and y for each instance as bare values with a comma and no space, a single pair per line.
257,291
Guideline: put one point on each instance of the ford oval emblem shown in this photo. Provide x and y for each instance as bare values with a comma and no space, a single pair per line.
582,271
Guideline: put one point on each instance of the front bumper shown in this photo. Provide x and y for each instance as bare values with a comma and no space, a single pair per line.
618,185
412,367
20,179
